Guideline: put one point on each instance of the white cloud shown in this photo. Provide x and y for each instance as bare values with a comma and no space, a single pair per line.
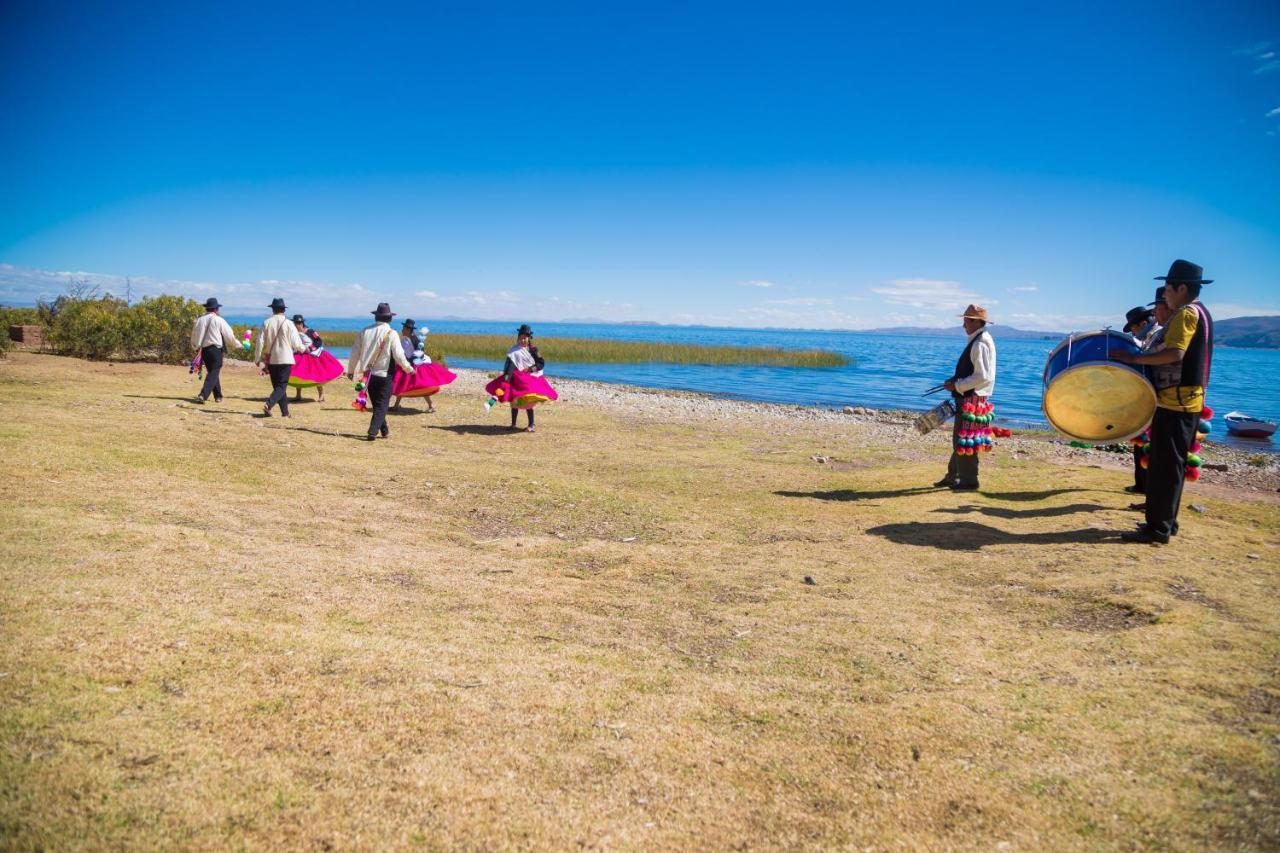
1227,310
933,294
1026,288
757,282
1274,113
426,294
797,301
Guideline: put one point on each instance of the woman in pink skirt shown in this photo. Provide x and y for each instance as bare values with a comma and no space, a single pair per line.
521,383
428,377
315,367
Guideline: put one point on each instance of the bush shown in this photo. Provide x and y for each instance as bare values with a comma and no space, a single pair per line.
104,327
159,328
88,328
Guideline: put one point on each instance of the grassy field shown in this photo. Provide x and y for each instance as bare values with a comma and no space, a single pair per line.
222,631
494,347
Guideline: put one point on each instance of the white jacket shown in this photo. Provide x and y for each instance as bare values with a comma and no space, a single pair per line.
277,340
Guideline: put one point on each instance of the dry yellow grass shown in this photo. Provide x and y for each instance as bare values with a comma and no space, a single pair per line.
219,631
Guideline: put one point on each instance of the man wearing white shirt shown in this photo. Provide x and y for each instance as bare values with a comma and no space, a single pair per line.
276,344
212,335
974,381
374,351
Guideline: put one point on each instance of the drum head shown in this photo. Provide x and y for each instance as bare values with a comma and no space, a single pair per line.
1099,402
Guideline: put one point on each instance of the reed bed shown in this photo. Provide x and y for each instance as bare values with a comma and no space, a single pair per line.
601,351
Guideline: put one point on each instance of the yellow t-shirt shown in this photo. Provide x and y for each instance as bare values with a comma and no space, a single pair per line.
1178,335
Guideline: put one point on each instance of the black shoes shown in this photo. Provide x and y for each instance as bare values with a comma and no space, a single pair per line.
199,401
1143,536
944,483
1134,490
1139,506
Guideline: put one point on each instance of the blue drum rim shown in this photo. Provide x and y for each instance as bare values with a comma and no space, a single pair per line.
1075,336
1150,389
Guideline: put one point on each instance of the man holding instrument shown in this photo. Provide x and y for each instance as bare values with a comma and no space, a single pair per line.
1180,374
972,383
1139,322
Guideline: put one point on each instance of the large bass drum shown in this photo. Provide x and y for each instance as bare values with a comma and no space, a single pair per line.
1089,396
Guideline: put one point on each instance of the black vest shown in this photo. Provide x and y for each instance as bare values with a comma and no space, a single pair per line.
964,367
1199,357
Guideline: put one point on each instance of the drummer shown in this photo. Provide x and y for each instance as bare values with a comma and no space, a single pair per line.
1180,373
1138,322
973,381
1141,324
1153,342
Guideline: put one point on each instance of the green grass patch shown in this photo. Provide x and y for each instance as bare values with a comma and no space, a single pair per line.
600,351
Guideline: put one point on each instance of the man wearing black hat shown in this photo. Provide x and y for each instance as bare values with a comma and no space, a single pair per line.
212,335
1180,374
376,348
1138,322
276,344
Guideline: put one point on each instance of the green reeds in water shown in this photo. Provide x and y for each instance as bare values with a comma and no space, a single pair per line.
602,351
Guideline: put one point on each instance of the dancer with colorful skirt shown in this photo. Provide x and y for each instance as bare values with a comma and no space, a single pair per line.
314,367
972,386
427,377
521,384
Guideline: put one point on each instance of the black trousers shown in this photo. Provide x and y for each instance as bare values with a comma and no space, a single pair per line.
1139,473
1171,436
279,386
379,399
211,359
961,469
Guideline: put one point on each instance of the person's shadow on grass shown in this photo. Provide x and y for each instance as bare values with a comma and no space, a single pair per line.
1005,512
360,436
971,536
858,495
477,429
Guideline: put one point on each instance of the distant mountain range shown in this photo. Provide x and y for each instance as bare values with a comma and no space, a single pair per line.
1261,332
1005,332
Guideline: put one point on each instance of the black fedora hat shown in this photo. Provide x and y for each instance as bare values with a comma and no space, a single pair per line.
1159,297
277,305
408,324
1185,272
212,304
1137,315
524,330
298,318
382,312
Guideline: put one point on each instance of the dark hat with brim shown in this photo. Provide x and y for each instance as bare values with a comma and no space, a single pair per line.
277,304
408,324
1159,297
1185,272
212,304
298,318
1137,316
382,312
524,330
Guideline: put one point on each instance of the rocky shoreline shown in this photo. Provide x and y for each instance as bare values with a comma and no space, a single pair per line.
882,427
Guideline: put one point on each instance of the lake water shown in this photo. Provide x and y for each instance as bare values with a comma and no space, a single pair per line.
888,371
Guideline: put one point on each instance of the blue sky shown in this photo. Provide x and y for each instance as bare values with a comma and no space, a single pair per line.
810,165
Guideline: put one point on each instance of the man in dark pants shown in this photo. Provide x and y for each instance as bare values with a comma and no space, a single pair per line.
277,342
211,335
377,350
974,380
1138,322
1180,373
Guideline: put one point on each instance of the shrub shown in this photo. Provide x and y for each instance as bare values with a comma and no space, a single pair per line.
159,329
88,328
